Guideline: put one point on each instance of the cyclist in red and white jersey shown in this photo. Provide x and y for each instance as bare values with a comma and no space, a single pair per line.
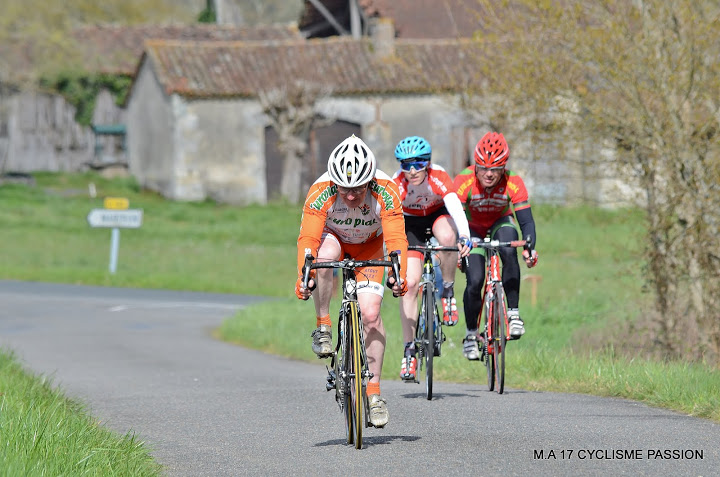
496,202
353,209
429,202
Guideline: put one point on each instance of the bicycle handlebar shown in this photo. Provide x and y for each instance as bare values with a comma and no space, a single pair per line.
349,263
432,248
487,243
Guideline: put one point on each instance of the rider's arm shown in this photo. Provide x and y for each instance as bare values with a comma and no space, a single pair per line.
521,204
527,225
312,224
455,208
393,222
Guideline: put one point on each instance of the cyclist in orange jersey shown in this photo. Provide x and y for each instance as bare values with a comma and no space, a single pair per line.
429,204
353,209
494,198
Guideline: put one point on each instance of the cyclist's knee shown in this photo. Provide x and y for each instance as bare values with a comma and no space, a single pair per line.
413,283
445,234
325,275
370,310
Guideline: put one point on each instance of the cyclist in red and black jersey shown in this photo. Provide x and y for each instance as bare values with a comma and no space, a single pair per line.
496,201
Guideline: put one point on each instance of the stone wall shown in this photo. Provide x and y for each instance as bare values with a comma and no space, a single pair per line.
38,132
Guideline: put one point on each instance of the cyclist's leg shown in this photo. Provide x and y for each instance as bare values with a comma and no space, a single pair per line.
409,317
370,301
416,230
370,294
472,299
473,295
446,235
409,302
330,249
505,230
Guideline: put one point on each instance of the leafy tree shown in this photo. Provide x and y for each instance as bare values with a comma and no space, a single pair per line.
641,78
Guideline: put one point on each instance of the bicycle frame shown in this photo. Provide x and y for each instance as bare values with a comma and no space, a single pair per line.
348,373
496,331
428,330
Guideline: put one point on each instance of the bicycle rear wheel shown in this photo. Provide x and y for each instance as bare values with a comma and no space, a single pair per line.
429,337
500,319
356,377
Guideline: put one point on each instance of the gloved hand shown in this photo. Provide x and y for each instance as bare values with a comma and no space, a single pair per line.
397,289
531,257
304,293
464,246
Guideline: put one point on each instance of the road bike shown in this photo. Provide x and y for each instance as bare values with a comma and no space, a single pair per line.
348,373
496,329
428,330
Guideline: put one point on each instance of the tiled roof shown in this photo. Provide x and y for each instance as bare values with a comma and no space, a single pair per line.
346,66
116,49
412,18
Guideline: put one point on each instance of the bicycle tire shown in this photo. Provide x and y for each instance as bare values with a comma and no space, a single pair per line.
488,346
356,377
429,338
342,377
500,337
439,339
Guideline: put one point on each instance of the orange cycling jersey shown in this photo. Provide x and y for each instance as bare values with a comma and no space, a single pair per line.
380,215
484,207
426,198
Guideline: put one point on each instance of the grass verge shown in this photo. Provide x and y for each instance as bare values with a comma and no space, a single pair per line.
44,433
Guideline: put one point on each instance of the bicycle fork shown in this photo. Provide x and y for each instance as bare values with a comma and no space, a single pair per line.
344,377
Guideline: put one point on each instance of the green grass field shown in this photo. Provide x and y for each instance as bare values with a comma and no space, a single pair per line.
590,282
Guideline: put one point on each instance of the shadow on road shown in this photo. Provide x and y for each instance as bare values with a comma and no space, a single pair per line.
369,441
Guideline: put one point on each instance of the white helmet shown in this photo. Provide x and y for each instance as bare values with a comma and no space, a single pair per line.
351,163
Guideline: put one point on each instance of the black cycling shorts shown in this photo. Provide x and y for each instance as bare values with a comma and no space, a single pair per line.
418,229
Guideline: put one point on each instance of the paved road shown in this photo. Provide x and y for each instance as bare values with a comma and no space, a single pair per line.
144,361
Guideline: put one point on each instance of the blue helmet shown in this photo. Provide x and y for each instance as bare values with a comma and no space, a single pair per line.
413,147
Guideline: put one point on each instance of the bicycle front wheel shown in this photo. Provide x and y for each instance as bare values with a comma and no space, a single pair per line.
500,338
344,361
356,377
429,337
488,348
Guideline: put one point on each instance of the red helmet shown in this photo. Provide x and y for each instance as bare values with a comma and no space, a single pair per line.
492,151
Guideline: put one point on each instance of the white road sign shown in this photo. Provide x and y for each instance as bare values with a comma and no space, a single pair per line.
128,219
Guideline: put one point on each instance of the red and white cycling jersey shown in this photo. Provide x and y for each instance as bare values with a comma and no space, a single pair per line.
428,197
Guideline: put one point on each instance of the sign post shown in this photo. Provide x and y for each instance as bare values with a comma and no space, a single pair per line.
115,215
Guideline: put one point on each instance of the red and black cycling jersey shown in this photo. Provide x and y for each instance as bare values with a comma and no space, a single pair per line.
484,207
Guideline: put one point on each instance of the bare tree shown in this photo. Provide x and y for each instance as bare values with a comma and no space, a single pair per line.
642,77
292,113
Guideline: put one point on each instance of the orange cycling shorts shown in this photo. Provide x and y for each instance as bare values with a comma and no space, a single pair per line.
369,279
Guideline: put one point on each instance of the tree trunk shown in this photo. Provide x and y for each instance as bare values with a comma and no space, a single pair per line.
290,182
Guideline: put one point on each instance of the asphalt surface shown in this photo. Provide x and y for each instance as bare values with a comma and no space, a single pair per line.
145,362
